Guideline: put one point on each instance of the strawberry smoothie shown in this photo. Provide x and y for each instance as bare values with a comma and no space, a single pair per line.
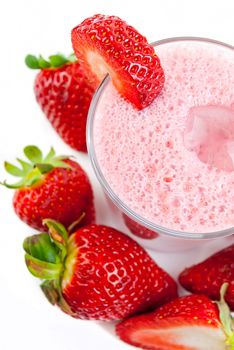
173,162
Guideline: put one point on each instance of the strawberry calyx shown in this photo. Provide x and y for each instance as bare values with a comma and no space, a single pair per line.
226,318
54,61
54,296
45,256
33,170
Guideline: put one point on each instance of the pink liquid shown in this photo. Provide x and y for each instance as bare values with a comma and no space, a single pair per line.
173,162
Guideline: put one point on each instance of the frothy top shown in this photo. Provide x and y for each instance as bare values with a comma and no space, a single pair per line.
173,162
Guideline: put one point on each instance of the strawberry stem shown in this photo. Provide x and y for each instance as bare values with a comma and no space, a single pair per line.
72,227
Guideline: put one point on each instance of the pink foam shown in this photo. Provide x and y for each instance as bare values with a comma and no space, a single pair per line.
210,133
173,162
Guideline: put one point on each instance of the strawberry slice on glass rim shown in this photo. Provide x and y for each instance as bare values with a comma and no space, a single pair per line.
107,44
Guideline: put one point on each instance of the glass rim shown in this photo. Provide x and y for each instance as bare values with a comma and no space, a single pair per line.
106,187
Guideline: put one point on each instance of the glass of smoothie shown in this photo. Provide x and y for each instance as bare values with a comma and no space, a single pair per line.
169,168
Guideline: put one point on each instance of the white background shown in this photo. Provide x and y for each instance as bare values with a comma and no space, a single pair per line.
27,321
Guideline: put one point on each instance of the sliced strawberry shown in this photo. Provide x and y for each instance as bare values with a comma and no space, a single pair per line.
192,322
107,44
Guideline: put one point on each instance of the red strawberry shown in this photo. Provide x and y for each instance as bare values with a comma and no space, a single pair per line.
107,44
54,186
138,229
208,276
64,90
98,273
188,323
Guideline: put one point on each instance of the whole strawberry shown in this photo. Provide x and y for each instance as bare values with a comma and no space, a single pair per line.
53,186
192,322
107,44
64,90
97,273
208,276
139,230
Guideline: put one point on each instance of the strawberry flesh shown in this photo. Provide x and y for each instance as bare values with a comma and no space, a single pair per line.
107,44
187,323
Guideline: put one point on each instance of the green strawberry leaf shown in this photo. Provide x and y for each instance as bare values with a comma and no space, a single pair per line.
43,269
43,63
13,170
54,61
25,166
60,164
32,172
44,168
33,153
28,180
226,317
51,291
19,184
32,62
225,311
58,235
50,155
41,247
32,177
58,60
57,231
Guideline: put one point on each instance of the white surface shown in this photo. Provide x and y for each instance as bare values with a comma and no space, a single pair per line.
27,320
